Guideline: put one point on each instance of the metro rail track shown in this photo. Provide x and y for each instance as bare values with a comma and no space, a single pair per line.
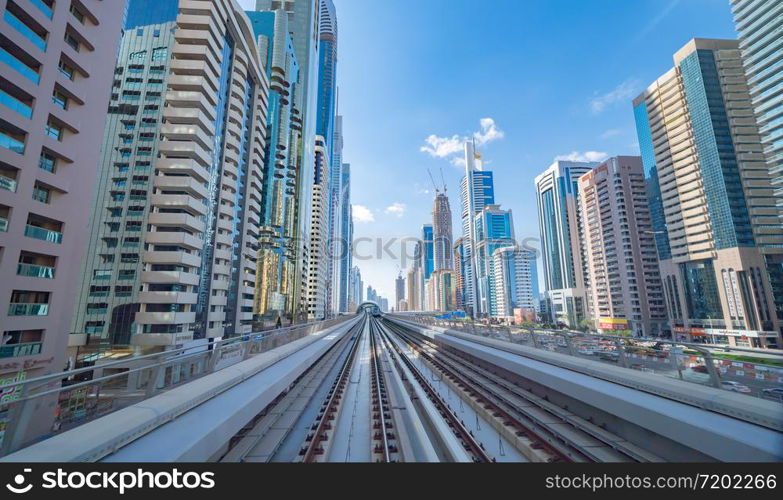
409,418
553,434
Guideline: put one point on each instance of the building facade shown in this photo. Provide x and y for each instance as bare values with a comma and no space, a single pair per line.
458,254
557,191
275,290
399,289
514,281
427,254
174,224
494,229
413,287
624,289
56,68
477,190
442,234
303,25
712,203
317,289
758,24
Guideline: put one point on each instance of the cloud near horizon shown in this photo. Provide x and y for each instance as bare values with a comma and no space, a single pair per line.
586,156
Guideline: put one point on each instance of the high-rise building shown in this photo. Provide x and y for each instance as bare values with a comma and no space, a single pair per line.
329,126
476,191
712,203
56,64
276,269
355,289
459,273
442,235
414,285
441,290
399,288
319,254
427,253
514,281
175,217
624,289
303,25
345,242
556,195
758,24
494,229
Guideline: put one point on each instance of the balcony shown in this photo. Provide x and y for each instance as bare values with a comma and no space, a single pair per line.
43,234
3,224
28,309
34,271
19,350
43,7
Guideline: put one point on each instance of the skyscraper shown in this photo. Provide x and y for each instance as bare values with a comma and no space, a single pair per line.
427,254
514,281
56,76
712,204
414,284
303,24
442,235
761,46
175,218
344,244
399,288
476,191
319,262
276,270
624,290
556,196
459,273
494,229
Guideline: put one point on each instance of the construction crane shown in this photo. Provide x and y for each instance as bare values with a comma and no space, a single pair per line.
443,179
433,182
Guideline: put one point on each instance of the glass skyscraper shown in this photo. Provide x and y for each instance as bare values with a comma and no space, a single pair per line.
712,206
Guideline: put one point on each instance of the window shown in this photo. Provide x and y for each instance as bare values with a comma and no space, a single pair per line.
12,137
72,41
160,53
16,99
78,14
20,62
138,56
59,99
25,25
41,193
101,274
139,32
66,70
54,131
47,162
156,33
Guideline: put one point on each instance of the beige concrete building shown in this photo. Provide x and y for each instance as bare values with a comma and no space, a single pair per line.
174,232
624,290
711,199
320,258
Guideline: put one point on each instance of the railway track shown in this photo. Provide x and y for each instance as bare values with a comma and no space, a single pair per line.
385,447
550,433
471,446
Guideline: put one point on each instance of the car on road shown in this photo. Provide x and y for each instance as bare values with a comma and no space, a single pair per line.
730,385
700,368
775,393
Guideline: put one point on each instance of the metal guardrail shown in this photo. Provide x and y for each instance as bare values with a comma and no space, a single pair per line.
718,366
83,394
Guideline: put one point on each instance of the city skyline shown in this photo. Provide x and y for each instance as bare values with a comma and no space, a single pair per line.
591,109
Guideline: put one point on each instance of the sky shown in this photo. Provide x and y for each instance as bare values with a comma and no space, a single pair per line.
531,79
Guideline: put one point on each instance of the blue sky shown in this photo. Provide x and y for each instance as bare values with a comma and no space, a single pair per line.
556,77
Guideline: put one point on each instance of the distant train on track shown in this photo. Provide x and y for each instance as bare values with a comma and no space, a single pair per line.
370,307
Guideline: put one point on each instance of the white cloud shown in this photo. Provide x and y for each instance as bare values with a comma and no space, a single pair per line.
451,147
612,132
441,147
586,156
396,208
623,92
489,132
362,214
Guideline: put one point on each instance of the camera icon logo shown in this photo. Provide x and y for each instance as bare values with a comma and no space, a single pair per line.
19,480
